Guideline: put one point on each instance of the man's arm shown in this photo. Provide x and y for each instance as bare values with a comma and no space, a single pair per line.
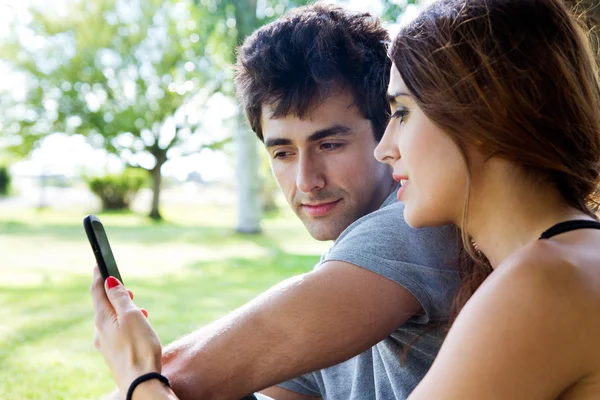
303,324
279,393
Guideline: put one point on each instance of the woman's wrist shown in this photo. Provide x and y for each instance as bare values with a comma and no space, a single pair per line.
152,389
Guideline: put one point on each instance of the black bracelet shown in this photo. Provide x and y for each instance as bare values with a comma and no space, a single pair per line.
144,378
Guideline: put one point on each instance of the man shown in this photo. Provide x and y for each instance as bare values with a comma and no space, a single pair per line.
369,318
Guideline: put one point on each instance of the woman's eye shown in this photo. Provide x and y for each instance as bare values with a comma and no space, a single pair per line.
400,114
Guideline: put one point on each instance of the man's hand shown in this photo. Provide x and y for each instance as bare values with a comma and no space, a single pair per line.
305,323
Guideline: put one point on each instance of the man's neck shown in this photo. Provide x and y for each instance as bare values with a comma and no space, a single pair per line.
389,188
386,188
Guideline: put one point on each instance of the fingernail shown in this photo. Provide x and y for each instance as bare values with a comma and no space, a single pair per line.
112,282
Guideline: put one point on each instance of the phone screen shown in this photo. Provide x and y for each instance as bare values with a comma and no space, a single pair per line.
107,255
101,247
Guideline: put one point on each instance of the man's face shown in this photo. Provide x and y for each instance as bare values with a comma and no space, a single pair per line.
324,165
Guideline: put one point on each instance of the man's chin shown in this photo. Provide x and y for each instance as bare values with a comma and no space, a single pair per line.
322,230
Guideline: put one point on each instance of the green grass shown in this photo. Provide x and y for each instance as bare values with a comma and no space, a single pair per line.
185,272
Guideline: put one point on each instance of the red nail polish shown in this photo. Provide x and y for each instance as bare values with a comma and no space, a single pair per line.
112,282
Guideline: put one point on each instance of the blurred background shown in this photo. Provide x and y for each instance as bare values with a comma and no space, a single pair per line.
126,109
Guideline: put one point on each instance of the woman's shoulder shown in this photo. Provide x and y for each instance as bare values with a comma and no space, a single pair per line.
555,287
561,275
566,267
532,314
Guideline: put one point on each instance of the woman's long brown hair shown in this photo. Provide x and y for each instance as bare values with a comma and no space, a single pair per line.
518,78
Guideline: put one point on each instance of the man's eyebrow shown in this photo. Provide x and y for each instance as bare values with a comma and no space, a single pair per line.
336,130
392,96
277,142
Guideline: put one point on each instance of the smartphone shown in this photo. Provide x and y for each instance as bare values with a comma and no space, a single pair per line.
101,248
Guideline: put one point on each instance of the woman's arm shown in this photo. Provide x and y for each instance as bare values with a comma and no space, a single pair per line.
128,343
153,390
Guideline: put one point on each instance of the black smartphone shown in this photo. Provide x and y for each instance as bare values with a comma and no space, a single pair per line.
101,248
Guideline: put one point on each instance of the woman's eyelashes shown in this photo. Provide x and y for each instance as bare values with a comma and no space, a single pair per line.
400,113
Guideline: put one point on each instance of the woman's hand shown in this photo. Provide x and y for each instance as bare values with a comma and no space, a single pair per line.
128,343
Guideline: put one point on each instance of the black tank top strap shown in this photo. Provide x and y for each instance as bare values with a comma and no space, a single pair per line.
567,226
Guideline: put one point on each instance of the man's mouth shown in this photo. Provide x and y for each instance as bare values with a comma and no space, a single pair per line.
320,209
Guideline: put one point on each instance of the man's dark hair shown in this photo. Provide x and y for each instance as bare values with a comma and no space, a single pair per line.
311,53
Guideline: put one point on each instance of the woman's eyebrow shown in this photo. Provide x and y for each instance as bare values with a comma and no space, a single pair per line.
392,96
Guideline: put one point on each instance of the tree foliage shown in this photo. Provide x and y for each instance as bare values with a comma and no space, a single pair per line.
121,73
133,76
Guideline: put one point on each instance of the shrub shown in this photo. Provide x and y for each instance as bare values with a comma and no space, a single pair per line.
116,192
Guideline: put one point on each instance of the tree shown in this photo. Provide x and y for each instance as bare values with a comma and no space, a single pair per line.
250,182
122,72
119,72
249,205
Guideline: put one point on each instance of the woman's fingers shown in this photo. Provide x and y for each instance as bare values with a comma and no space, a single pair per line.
108,295
102,306
118,296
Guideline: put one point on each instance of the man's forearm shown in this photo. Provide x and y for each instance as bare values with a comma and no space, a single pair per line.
303,324
201,365
243,352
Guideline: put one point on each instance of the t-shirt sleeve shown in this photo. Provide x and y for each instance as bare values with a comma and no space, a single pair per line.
420,260
304,384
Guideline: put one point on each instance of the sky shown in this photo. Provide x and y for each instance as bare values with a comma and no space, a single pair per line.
72,155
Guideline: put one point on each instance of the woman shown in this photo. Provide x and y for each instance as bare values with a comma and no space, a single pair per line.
496,128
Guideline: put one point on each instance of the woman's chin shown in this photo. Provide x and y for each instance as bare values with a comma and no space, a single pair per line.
418,218
411,217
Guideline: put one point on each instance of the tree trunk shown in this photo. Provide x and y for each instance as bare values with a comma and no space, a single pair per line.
249,207
156,175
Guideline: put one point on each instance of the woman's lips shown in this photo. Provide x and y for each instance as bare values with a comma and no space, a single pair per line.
319,210
403,180
403,185
399,178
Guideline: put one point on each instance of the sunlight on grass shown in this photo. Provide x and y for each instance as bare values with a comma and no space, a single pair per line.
186,272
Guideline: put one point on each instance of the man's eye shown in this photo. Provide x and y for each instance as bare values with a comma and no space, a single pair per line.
281,154
331,146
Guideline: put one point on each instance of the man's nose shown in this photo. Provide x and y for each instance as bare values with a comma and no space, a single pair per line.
310,174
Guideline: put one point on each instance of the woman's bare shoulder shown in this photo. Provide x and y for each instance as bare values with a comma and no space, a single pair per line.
559,282
566,267
527,332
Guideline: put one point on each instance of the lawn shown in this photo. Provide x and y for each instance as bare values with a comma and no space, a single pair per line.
185,272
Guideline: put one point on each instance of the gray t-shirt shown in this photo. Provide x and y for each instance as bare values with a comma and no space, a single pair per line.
420,260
